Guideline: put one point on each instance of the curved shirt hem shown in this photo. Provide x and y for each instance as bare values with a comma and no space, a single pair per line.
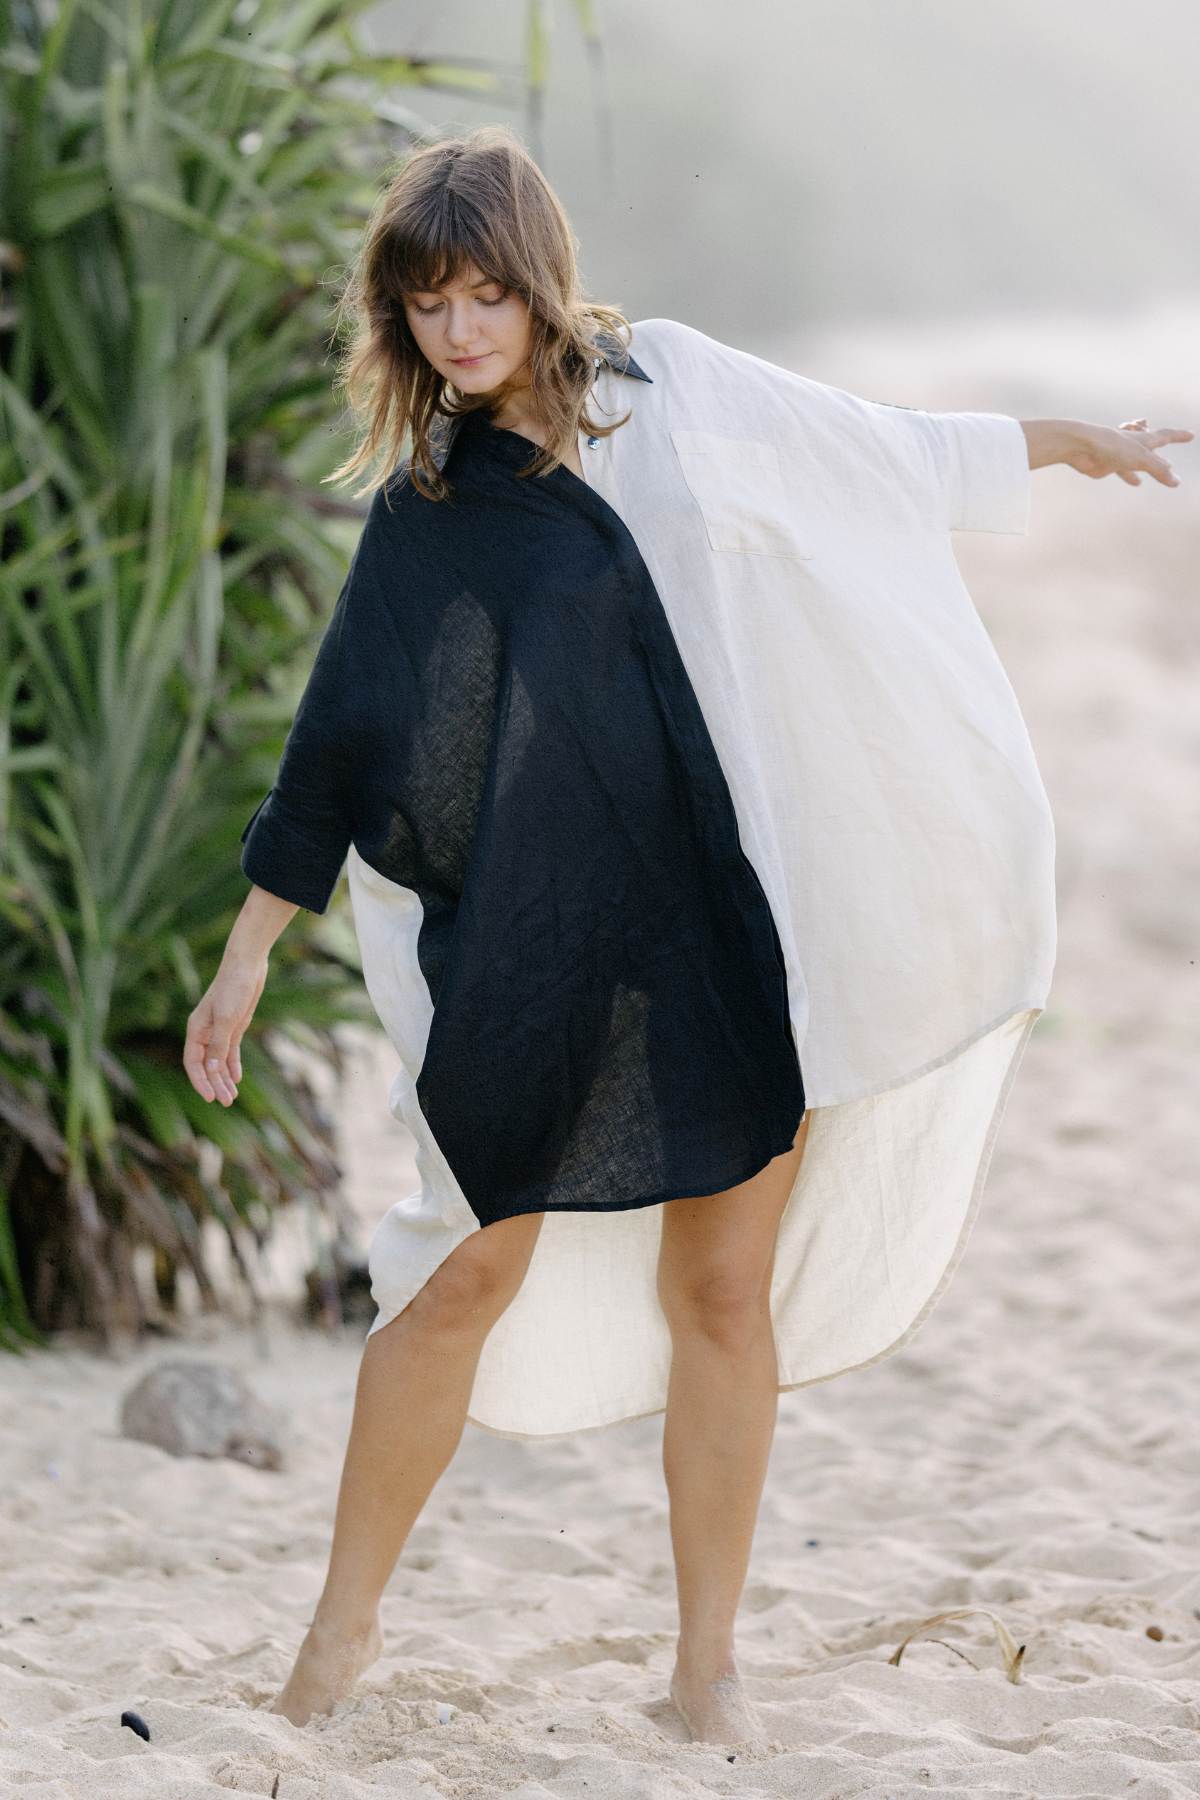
1037,1007
703,1189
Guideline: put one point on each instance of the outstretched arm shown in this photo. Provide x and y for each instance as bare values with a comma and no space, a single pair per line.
1099,450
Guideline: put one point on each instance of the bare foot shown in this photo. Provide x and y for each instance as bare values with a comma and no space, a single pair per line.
716,1711
328,1664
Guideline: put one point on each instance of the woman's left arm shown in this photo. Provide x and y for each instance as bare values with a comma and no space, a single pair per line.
1098,450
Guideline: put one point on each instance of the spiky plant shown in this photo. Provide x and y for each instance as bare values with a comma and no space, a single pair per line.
177,183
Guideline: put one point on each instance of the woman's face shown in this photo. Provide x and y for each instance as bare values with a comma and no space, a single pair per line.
474,333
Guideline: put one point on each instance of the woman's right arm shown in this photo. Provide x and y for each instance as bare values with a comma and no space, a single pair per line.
212,1053
294,846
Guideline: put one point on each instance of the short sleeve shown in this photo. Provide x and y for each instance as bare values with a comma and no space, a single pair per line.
295,842
980,468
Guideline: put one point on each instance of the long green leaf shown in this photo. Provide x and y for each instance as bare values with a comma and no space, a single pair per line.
177,186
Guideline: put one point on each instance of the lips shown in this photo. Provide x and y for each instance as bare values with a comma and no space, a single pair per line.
468,362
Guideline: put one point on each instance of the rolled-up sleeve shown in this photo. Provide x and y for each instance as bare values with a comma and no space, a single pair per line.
987,473
979,462
295,842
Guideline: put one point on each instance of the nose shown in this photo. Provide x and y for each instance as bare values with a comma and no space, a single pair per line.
459,331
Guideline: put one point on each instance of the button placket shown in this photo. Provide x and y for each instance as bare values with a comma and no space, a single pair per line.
593,441
601,474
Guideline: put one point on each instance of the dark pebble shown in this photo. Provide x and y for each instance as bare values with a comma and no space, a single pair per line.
136,1723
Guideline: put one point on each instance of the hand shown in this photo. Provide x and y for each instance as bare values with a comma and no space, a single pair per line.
1121,449
212,1053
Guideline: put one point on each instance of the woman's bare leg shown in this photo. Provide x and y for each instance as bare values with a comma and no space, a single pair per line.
714,1278
414,1386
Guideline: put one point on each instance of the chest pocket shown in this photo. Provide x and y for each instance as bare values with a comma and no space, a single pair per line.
739,486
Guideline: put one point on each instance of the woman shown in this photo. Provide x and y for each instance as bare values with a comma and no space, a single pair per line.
700,864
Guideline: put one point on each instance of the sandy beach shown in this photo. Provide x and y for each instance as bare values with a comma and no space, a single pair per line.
1028,1453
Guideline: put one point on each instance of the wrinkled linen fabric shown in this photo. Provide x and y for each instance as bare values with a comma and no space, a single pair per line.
520,747
823,838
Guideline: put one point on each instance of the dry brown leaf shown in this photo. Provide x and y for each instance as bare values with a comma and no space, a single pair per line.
1013,1654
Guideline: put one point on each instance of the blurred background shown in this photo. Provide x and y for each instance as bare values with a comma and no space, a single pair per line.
941,204
769,171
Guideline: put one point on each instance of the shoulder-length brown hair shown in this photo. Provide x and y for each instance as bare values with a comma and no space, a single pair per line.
477,198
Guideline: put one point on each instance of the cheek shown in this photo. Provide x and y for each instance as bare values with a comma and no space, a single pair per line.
514,328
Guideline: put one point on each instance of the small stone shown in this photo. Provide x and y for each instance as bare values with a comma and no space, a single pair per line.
1155,1632
444,1712
195,1408
136,1723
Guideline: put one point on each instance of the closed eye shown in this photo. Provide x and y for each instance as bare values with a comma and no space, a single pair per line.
425,311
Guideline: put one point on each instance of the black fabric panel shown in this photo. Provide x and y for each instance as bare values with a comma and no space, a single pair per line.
503,724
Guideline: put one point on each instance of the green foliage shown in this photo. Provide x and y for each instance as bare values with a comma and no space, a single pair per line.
176,182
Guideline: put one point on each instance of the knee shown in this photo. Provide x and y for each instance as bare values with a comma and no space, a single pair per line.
729,1307
475,1283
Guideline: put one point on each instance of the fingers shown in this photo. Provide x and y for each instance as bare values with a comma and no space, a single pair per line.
212,1054
217,1059
206,1056
1162,434
195,1048
1167,434
1158,466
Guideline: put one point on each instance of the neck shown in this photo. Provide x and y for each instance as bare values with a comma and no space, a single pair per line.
516,414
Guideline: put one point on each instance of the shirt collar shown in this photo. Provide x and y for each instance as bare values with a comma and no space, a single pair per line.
614,356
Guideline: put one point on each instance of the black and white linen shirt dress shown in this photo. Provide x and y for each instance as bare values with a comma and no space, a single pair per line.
678,801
